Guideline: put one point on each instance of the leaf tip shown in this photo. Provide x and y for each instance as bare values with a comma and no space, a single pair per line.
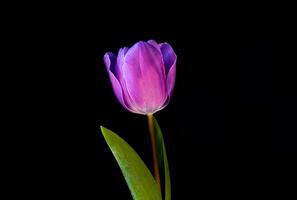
103,131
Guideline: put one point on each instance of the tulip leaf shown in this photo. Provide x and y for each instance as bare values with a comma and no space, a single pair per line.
139,179
162,160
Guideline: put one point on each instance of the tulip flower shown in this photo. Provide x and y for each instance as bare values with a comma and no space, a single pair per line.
143,76
143,79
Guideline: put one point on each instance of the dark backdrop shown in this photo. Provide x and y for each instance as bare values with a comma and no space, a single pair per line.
230,128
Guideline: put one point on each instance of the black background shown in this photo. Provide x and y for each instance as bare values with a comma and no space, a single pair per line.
230,128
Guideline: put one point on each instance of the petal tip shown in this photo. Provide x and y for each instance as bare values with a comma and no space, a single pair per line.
109,61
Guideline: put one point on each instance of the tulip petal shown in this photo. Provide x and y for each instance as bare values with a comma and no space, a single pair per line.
169,58
120,76
170,81
120,62
155,44
145,77
109,60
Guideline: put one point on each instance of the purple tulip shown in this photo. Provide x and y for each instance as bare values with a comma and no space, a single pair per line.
143,76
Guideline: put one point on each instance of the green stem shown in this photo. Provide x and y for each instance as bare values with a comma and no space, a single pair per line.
154,148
